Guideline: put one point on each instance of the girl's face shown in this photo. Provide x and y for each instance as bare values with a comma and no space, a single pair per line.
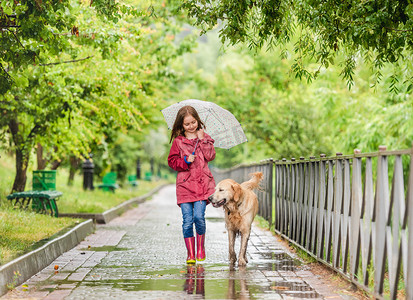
190,124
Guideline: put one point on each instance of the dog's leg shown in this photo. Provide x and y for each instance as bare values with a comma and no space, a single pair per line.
231,240
242,257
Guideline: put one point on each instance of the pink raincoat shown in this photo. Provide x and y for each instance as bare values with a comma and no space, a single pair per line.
194,182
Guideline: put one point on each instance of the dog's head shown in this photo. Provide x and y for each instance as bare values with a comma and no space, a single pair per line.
226,191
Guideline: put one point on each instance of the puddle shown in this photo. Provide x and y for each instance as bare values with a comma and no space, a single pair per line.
274,261
196,281
208,281
105,248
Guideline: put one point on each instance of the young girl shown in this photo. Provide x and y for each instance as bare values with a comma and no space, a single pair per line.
190,153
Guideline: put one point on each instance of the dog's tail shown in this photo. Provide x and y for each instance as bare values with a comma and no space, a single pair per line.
254,182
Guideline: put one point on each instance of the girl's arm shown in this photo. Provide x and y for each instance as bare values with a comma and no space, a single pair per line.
207,147
175,161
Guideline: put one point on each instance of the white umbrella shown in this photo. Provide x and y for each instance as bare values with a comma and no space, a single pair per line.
220,124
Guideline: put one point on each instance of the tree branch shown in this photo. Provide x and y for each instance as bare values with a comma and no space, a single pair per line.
7,75
66,62
15,36
400,30
33,131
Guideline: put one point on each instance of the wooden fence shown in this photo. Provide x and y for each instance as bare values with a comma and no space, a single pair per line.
352,213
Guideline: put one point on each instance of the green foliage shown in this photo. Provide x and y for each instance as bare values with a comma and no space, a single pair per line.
329,31
31,29
284,117
257,89
95,74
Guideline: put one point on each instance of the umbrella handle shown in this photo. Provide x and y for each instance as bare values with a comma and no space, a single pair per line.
193,153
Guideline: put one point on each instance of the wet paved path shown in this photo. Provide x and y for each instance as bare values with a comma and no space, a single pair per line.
141,255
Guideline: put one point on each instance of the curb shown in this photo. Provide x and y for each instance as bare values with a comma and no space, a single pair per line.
34,261
116,211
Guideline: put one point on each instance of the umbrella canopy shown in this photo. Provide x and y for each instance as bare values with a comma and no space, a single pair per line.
220,124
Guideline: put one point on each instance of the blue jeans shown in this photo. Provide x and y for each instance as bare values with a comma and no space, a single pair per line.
193,212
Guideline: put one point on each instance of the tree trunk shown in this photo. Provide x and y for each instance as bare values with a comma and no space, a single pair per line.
138,169
74,164
41,162
22,158
22,162
55,163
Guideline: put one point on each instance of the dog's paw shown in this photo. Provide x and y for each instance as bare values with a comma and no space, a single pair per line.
242,262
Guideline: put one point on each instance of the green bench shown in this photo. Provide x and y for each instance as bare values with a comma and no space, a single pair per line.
132,181
42,201
148,176
42,198
109,182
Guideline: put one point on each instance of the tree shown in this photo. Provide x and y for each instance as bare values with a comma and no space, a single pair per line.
379,31
32,28
67,103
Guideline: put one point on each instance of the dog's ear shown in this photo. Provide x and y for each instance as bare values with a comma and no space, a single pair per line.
237,191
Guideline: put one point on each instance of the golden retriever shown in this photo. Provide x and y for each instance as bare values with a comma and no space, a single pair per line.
240,205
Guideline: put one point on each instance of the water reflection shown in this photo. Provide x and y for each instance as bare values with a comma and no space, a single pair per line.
294,289
194,280
243,292
278,262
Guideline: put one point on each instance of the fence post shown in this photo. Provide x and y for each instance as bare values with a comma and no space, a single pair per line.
270,195
321,207
338,200
380,220
409,214
284,200
356,201
293,200
302,230
316,185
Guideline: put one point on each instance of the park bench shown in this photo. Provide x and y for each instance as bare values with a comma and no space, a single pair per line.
148,176
43,195
109,182
132,181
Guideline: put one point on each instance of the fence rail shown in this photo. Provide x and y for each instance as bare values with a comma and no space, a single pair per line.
352,213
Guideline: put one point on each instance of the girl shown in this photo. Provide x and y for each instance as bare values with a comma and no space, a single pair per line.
190,153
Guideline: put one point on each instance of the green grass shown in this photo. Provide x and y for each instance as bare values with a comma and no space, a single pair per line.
21,230
76,200
262,223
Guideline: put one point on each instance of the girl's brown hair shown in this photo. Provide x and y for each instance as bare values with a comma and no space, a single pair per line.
178,128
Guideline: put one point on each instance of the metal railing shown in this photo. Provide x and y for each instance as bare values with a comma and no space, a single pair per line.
352,213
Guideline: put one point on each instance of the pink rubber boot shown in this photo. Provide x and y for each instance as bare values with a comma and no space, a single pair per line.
200,246
190,247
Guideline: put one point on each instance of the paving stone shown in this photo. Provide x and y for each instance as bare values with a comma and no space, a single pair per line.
79,275
58,294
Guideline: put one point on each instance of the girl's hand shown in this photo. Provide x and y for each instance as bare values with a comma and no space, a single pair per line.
191,158
200,133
